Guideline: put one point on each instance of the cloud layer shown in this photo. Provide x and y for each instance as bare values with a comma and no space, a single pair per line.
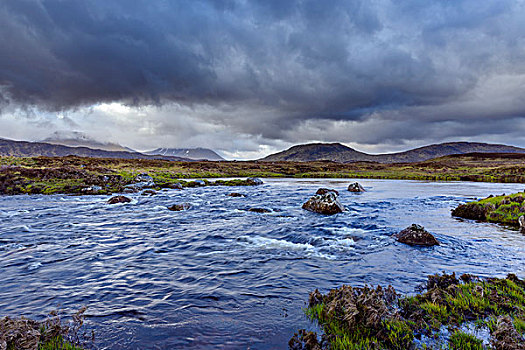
248,77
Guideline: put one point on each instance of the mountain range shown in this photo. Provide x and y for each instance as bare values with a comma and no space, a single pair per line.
190,153
35,149
343,154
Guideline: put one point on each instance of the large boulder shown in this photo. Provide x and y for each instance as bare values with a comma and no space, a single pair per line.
119,199
356,187
180,207
416,235
326,203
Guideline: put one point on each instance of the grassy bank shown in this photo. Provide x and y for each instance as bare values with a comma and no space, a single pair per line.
47,175
446,315
504,209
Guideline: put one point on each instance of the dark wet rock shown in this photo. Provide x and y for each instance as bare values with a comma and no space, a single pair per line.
356,187
255,181
179,207
260,210
505,336
235,194
304,340
144,177
119,199
322,191
473,211
148,193
416,235
130,190
521,221
327,204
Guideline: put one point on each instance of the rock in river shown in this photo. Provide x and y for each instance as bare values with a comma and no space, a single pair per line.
416,235
179,207
235,194
148,193
260,210
356,187
254,181
326,190
326,203
119,199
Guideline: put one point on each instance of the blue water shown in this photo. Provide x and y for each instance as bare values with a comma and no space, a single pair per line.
218,276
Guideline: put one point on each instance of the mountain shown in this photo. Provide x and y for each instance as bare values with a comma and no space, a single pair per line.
79,139
190,153
35,149
340,153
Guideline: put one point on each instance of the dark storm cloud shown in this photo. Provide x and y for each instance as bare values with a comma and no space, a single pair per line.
408,64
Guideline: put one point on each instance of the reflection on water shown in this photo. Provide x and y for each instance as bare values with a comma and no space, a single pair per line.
220,276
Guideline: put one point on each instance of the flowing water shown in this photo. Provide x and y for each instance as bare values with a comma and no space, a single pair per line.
218,276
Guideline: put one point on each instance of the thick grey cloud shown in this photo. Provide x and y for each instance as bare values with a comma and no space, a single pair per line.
375,74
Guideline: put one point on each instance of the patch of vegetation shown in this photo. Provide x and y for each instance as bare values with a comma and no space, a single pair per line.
505,209
368,318
51,334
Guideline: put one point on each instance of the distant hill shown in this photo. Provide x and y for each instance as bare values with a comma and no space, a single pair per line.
190,153
35,149
340,153
79,139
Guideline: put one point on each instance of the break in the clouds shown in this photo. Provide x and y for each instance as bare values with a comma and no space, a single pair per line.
249,77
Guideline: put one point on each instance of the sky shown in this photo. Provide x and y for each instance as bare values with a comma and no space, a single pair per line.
248,78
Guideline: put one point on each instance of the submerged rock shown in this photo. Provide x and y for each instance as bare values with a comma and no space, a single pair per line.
356,187
119,199
180,207
148,193
416,235
235,194
326,203
260,210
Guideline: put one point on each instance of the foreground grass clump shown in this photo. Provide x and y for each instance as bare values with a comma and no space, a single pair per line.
368,318
505,209
51,334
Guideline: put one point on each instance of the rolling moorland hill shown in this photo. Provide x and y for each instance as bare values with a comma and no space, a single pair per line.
189,153
343,154
34,149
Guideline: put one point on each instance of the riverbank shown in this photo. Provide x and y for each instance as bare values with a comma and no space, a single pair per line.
75,175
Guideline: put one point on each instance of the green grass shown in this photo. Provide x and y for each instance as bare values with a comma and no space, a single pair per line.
464,341
344,314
